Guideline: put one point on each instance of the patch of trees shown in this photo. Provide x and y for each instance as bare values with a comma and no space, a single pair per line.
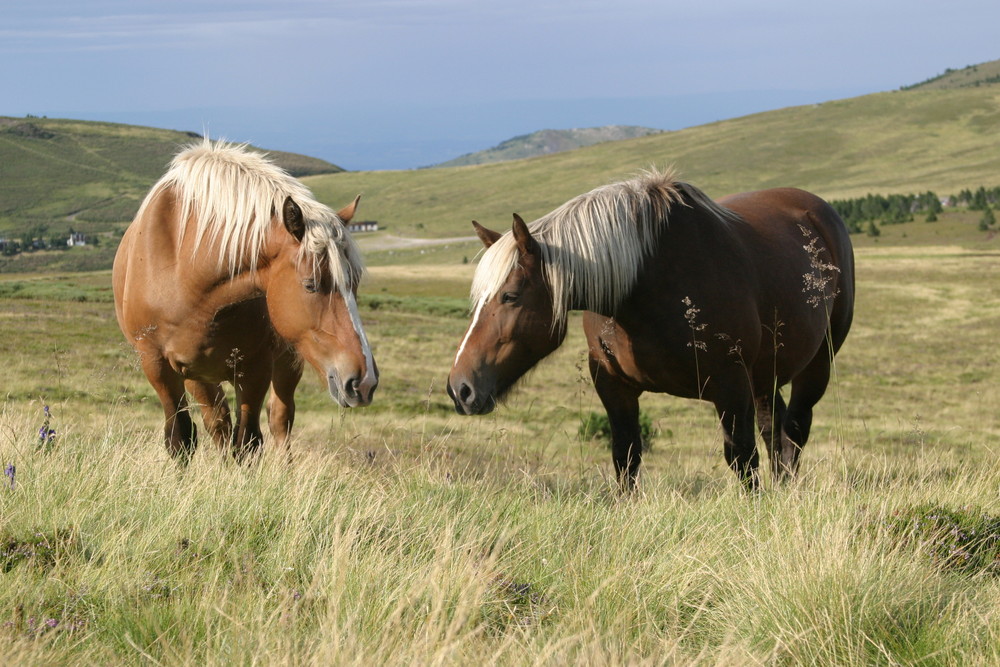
862,213
37,237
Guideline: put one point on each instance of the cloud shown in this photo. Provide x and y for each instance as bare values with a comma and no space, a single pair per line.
203,27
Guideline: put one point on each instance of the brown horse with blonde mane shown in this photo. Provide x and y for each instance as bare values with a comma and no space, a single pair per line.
231,271
725,302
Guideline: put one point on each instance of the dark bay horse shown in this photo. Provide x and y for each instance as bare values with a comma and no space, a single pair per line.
725,302
231,271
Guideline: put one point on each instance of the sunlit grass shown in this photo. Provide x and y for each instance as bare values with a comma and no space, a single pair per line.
338,557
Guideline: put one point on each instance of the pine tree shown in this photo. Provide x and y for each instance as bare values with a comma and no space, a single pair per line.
988,219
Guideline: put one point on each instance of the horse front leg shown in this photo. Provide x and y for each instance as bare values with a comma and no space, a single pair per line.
737,418
621,402
251,387
179,431
286,373
214,410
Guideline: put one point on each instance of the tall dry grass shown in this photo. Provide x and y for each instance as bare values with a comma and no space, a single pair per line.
405,534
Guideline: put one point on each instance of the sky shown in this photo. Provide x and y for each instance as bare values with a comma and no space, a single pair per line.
399,84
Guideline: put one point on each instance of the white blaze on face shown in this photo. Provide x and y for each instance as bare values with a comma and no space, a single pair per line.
475,320
352,308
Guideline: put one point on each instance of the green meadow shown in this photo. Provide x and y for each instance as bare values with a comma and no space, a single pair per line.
403,533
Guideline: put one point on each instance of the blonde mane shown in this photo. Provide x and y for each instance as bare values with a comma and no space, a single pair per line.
233,194
594,245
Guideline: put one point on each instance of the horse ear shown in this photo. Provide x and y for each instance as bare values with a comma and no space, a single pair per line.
345,214
487,236
292,216
525,242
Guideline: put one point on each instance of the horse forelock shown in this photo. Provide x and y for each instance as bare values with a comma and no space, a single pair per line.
331,248
592,247
229,197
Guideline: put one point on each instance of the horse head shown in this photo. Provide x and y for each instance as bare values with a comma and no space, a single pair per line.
312,303
513,325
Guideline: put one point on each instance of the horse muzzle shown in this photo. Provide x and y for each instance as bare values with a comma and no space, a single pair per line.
355,392
468,401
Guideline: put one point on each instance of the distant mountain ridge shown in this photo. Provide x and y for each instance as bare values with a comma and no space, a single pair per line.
546,142
968,77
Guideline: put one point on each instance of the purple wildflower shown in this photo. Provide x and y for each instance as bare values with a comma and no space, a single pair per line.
46,435
9,471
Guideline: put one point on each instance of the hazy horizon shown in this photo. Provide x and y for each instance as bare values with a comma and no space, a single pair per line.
394,84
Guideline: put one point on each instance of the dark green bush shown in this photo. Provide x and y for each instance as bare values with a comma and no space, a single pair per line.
966,540
596,426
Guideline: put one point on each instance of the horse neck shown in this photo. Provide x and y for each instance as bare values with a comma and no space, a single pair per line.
221,286
586,284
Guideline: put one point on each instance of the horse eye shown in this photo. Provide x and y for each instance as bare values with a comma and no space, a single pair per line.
509,297
310,286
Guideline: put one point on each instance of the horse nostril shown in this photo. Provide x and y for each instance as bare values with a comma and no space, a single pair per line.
465,393
351,388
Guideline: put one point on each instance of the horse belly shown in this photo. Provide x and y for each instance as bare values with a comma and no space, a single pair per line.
662,359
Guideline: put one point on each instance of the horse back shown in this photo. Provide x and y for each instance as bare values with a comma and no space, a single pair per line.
758,292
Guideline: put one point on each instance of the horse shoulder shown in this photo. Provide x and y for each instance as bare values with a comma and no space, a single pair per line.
148,274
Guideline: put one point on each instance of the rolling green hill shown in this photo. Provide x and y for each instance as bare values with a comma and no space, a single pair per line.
546,142
92,175
89,175
896,142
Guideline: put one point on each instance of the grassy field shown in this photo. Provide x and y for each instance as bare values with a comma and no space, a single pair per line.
405,534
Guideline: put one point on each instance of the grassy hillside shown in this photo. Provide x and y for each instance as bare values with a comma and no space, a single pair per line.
546,142
88,175
898,142
974,75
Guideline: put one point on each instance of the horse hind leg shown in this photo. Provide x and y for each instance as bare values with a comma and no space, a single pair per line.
808,388
771,411
214,409
740,446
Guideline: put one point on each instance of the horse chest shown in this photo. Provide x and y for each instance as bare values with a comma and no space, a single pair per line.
210,346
